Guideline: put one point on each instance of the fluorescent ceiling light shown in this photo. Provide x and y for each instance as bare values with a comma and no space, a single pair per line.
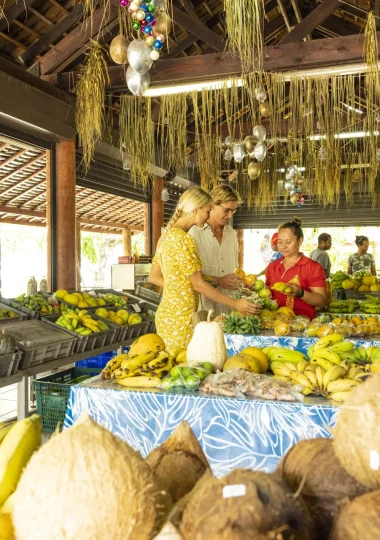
345,135
192,87
352,108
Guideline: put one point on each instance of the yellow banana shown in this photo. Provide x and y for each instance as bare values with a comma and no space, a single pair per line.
277,354
275,365
341,385
112,365
133,363
340,396
160,360
327,354
374,368
346,365
89,324
332,374
301,366
325,364
328,341
306,391
293,367
342,346
145,382
282,371
83,312
312,377
15,451
121,374
300,378
361,376
4,428
320,373
281,378
311,367
353,371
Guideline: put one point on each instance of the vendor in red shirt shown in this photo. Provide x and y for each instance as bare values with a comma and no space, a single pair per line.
306,277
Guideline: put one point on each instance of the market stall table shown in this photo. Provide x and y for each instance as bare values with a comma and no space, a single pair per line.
232,432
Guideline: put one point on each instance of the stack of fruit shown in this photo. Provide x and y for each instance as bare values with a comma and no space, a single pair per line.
251,359
144,366
349,326
122,317
186,376
81,300
361,281
36,303
5,313
343,306
333,368
282,287
81,323
337,280
370,304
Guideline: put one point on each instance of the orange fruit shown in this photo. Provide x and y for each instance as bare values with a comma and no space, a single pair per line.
240,273
325,331
250,279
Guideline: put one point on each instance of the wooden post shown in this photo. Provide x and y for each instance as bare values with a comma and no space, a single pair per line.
48,221
157,211
127,242
66,219
78,250
240,238
146,230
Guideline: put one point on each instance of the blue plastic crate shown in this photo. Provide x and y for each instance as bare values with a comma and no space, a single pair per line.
98,361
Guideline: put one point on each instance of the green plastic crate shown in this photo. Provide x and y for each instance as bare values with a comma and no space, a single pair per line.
52,394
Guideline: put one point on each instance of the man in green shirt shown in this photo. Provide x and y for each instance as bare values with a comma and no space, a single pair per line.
320,253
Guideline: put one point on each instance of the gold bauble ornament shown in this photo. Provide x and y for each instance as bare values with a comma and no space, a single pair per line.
140,15
163,25
249,143
265,109
299,180
294,198
254,170
294,156
287,162
149,40
118,50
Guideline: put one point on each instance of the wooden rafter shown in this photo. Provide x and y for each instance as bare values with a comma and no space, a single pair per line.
12,158
23,167
59,6
198,29
309,23
23,193
17,184
14,12
21,211
298,15
282,10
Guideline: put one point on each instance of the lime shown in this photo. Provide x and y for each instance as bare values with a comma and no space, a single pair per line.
208,367
187,372
175,372
202,374
192,382
166,383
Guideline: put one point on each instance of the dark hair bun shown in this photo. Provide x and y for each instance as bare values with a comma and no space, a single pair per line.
297,221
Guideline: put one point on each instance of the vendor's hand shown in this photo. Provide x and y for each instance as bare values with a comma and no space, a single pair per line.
296,289
230,281
247,308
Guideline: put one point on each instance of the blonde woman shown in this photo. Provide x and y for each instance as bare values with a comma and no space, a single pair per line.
177,268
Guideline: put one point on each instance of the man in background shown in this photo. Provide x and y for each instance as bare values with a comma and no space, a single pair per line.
320,253
218,246
274,245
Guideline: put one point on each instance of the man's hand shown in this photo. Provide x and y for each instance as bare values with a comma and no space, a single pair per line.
230,281
296,290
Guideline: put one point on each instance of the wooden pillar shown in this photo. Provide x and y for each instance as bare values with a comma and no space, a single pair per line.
127,242
146,230
66,215
78,250
157,211
48,220
240,238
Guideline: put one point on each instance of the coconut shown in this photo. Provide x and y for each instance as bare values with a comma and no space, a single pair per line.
86,483
357,434
244,505
118,49
313,468
179,462
359,520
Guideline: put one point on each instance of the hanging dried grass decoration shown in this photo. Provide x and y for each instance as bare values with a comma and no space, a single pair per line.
171,131
244,23
90,106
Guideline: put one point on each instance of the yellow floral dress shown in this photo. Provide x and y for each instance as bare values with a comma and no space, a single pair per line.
178,258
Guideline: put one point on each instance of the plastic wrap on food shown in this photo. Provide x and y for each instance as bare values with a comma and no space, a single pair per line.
299,323
240,383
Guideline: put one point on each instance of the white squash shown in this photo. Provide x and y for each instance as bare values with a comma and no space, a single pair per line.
207,344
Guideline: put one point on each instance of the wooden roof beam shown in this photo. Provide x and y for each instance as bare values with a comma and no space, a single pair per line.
24,166
4,209
198,29
11,158
26,192
12,13
27,178
13,221
97,223
298,15
309,23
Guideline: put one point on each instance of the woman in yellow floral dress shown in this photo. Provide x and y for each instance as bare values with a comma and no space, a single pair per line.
177,268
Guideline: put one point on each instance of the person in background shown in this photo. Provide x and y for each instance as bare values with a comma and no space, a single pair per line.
274,245
177,268
361,260
218,246
319,254
306,277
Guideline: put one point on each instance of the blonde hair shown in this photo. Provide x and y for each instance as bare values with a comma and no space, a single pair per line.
192,199
223,194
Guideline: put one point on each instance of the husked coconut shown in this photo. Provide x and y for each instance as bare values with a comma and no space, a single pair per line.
312,467
357,434
245,505
179,462
86,484
359,520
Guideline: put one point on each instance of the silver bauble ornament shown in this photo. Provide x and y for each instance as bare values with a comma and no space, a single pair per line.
163,24
249,143
260,151
293,170
165,195
254,170
139,56
299,180
288,175
119,50
137,83
227,141
238,152
287,162
322,154
227,156
289,185
260,133
260,93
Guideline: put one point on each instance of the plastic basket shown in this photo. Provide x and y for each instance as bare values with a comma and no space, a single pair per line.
9,364
52,394
20,315
99,361
30,313
90,342
148,294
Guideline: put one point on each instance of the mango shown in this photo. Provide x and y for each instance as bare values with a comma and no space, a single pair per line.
60,294
101,312
71,299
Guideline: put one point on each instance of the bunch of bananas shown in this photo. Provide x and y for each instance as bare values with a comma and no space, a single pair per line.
337,279
371,304
139,370
115,300
282,287
35,302
81,323
7,314
344,306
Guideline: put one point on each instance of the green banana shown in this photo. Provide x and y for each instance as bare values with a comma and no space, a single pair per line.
327,341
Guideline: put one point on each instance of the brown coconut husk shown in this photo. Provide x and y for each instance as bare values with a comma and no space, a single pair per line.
359,520
312,468
268,510
85,483
357,433
179,462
